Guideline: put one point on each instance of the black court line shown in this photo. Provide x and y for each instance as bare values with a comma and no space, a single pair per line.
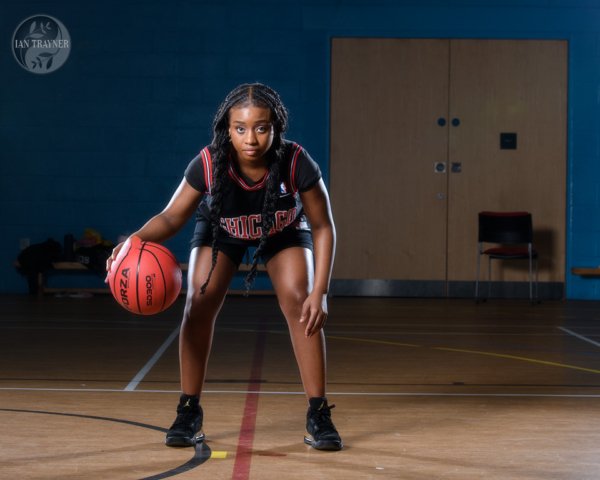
202,451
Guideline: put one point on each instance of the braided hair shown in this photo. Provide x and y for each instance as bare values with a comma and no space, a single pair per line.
258,95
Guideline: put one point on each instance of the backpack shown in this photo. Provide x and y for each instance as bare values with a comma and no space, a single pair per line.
38,257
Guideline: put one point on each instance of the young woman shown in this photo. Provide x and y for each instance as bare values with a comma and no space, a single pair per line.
251,187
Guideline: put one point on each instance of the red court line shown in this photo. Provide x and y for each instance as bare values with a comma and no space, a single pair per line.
243,456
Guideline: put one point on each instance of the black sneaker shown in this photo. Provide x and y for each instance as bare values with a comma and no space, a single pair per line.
188,422
322,433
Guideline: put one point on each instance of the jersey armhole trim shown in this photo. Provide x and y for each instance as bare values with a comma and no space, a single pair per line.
297,149
208,174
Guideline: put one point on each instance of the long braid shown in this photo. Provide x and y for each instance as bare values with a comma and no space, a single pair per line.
220,150
269,98
267,221
247,94
218,190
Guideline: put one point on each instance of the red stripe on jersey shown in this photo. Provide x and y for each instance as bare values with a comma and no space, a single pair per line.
295,153
208,174
240,181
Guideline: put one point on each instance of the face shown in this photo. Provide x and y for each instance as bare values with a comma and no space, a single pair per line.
251,132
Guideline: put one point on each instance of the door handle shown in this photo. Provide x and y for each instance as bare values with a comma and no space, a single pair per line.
439,167
456,167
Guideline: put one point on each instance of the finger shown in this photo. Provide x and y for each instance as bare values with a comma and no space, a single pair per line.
109,262
107,274
305,312
319,323
310,327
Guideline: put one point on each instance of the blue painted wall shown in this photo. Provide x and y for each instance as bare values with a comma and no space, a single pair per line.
103,141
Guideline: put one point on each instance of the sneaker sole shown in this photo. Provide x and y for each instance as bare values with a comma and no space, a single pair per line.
324,445
182,442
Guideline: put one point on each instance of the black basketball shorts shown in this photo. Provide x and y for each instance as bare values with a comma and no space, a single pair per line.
289,237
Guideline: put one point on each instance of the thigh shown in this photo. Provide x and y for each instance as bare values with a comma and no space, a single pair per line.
288,238
203,238
291,271
199,267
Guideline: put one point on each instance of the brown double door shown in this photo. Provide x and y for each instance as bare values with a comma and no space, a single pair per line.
416,130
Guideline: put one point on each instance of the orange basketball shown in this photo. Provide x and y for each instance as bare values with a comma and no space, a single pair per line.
145,278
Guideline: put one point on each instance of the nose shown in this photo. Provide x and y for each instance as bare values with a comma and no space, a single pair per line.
250,137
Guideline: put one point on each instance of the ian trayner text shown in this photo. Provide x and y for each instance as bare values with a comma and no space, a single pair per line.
62,43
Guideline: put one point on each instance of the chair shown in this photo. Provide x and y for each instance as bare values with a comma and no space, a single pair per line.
512,232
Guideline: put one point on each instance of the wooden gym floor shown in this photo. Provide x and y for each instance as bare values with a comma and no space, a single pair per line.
424,389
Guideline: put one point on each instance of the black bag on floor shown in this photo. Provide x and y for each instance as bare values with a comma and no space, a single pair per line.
38,258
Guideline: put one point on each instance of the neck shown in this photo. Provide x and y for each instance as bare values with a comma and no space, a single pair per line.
254,170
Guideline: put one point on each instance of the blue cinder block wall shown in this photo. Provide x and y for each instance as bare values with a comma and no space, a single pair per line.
103,141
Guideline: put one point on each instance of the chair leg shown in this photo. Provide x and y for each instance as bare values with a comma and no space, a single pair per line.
489,294
530,279
537,282
534,278
477,276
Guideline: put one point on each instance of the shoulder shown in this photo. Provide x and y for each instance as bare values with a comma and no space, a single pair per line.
203,157
294,152
303,172
290,148
199,171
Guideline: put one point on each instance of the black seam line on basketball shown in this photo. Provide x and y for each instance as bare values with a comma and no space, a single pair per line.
202,451
165,250
137,278
162,275
116,270
123,260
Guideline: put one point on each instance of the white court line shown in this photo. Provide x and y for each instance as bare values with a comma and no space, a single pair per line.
135,381
580,337
262,392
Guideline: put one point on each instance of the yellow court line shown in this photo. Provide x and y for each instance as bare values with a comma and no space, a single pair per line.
476,352
379,342
351,339
214,454
515,357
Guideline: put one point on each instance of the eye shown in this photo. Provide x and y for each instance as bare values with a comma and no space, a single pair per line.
263,128
240,129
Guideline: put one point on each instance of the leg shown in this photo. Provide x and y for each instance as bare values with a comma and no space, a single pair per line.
291,272
195,340
199,316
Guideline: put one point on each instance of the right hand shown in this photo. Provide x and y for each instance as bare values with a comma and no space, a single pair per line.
111,259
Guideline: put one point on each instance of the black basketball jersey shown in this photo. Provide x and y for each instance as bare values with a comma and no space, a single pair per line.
242,205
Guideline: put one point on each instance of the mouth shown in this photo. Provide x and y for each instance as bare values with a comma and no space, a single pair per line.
251,152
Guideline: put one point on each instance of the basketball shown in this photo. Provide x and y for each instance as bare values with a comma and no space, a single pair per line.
145,278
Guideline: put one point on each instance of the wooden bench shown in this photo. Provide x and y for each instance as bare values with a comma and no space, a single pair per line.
78,267
586,271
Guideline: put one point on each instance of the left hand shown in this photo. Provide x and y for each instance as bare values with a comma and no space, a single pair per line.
314,313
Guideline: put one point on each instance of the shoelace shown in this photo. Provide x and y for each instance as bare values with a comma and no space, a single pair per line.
322,418
184,419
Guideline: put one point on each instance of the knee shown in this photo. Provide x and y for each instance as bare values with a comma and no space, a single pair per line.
199,306
292,299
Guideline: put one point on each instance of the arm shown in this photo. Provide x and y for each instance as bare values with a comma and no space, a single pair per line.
318,211
167,223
